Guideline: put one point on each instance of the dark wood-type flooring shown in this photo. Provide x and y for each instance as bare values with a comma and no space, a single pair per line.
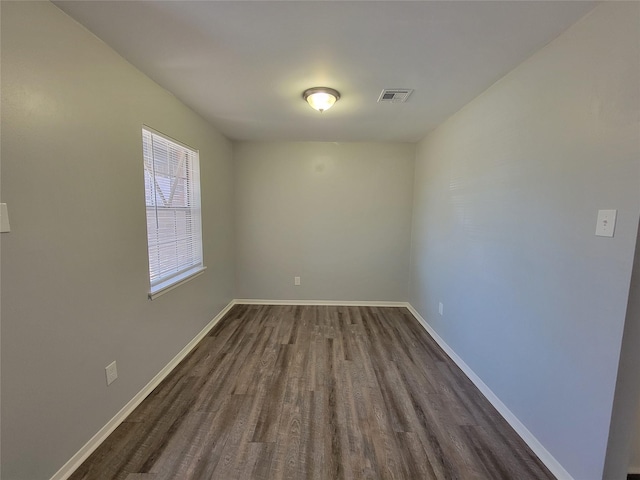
306,392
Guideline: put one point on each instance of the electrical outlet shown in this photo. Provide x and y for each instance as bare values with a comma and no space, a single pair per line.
296,280
4,219
440,308
606,223
112,372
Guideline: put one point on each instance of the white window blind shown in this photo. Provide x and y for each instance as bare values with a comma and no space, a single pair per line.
172,192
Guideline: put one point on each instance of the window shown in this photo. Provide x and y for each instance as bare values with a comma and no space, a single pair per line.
172,193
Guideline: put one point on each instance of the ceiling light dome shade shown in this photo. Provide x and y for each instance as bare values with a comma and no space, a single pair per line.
321,98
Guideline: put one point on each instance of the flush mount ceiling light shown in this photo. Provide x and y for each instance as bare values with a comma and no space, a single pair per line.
321,98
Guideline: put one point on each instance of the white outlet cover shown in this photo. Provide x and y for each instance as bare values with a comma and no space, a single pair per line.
440,308
4,219
296,280
606,223
111,371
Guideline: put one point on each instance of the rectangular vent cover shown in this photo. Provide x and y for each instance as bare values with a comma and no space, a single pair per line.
394,95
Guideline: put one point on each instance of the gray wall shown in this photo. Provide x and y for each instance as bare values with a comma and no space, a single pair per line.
622,451
336,214
74,267
505,201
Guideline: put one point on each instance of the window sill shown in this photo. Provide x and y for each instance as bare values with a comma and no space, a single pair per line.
174,282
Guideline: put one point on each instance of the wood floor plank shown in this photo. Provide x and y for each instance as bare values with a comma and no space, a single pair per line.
197,448
363,421
262,465
269,417
287,454
317,393
413,456
236,447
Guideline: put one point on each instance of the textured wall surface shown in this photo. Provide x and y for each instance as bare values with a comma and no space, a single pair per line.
74,267
336,214
505,201
623,449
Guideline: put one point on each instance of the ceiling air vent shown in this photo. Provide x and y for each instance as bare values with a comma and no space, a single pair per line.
395,95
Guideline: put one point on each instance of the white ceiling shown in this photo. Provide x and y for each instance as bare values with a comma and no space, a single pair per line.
244,64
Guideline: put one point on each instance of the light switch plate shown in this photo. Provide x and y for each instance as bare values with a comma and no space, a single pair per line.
4,219
606,223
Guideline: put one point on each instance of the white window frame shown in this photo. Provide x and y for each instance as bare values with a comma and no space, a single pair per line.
173,211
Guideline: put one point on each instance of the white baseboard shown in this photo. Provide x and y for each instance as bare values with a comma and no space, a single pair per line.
89,447
339,303
551,463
